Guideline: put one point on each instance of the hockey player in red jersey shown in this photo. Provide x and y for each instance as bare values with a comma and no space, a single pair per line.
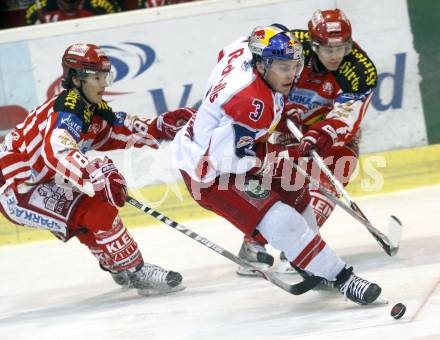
48,182
328,103
229,167
46,11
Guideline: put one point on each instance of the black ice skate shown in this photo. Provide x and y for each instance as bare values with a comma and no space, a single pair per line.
355,288
255,253
154,280
322,285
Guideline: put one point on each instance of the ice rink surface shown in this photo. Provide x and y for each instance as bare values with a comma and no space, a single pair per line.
51,290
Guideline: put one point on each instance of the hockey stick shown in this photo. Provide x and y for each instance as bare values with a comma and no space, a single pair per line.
391,243
295,289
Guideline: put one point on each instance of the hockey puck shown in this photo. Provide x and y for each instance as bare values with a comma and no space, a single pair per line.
398,310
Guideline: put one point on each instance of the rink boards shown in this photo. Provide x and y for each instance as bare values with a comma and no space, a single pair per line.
376,173
147,85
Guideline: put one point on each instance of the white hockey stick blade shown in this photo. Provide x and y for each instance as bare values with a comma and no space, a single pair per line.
394,233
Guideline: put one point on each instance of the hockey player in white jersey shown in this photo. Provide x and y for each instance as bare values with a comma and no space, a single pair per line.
328,104
230,169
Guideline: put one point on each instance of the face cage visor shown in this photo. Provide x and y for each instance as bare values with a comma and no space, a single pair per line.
292,52
298,56
330,48
268,63
89,75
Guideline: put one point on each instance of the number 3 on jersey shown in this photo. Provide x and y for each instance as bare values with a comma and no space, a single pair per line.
259,107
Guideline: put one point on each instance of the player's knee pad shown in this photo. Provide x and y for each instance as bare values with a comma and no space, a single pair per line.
287,230
105,235
93,214
119,245
283,226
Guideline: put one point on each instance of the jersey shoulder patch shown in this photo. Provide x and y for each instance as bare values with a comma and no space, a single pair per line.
244,141
357,73
70,101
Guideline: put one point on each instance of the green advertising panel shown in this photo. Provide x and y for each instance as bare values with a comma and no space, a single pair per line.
425,18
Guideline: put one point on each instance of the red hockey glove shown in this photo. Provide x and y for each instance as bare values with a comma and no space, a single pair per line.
284,135
292,112
108,183
169,123
273,158
320,137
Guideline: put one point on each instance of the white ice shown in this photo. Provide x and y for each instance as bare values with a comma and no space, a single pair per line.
51,290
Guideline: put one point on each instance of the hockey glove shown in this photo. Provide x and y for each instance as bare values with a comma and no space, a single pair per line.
169,123
321,136
284,135
108,183
272,158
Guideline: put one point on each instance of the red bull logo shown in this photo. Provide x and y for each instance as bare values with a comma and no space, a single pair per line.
261,34
244,141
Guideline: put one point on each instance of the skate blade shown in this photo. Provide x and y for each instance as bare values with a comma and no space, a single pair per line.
160,291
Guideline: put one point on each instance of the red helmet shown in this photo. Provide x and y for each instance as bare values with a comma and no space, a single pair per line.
85,59
82,60
330,28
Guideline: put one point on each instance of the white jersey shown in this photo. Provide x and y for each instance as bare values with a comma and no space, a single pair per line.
239,109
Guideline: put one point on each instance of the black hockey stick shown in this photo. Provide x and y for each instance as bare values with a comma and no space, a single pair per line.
389,244
295,289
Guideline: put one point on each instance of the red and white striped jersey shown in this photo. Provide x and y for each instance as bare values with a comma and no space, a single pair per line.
340,96
54,138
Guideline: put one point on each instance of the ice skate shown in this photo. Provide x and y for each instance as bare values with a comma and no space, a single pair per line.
285,267
121,278
355,288
256,254
154,280
323,285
